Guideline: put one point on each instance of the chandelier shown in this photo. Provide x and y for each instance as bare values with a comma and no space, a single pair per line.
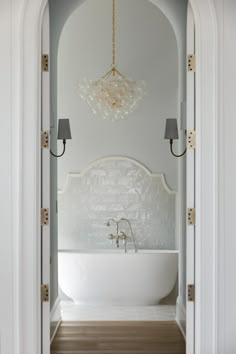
113,96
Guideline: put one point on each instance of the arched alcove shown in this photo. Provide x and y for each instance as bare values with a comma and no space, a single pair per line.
166,59
143,52
72,57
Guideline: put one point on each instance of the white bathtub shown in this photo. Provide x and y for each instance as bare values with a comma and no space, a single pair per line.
117,278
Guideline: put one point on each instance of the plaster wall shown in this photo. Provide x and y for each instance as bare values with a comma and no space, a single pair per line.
141,136
74,51
146,50
176,12
59,11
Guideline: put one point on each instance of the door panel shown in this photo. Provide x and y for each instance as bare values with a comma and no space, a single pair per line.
190,202
45,178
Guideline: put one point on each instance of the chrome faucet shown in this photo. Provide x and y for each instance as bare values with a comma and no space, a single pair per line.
131,231
120,235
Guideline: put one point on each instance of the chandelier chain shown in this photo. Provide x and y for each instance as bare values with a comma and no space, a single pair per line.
113,34
113,95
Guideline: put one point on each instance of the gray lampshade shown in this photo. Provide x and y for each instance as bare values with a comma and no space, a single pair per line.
171,131
64,132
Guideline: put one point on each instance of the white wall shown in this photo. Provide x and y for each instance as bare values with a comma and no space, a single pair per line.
226,264
6,178
146,49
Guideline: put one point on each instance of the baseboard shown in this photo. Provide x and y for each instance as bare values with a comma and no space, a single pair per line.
55,318
181,316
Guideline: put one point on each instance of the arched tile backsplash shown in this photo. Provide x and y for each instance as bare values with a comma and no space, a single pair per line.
116,187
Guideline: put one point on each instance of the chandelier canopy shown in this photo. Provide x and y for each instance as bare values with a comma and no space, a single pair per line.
113,96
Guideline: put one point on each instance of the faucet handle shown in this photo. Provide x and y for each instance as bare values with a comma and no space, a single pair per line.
122,235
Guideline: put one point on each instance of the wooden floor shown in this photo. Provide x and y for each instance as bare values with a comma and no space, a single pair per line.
129,337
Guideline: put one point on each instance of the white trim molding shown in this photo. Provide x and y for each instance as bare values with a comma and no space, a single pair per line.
55,318
26,181
181,315
206,233
117,158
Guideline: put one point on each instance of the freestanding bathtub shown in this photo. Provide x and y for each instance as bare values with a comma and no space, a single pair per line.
117,278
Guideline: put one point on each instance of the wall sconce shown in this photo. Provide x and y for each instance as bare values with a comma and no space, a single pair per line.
171,133
63,134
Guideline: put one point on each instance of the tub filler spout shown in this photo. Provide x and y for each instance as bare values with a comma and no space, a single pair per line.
120,235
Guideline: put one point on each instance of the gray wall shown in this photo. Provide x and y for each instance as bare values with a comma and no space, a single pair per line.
176,12
60,10
141,136
146,49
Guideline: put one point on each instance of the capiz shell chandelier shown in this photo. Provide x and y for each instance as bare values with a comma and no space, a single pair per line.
113,96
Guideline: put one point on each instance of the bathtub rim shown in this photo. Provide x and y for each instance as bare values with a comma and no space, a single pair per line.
115,251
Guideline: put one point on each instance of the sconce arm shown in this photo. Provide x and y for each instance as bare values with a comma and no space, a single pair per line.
64,149
171,149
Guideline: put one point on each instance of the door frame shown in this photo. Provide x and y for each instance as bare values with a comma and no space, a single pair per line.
45,187
27,67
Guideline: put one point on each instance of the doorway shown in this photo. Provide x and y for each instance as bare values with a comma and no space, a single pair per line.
192,259
27,63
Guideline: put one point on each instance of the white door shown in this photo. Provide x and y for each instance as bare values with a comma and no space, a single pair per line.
190,202
45,185
190,234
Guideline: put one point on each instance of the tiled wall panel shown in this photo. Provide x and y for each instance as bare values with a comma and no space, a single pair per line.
116,187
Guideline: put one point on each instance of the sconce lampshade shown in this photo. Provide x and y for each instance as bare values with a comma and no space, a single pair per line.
64,132
171,131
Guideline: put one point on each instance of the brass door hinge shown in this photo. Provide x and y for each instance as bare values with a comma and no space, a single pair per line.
44,293
191,293
44,216
191,139
191,216
44,139
191,62
44,62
